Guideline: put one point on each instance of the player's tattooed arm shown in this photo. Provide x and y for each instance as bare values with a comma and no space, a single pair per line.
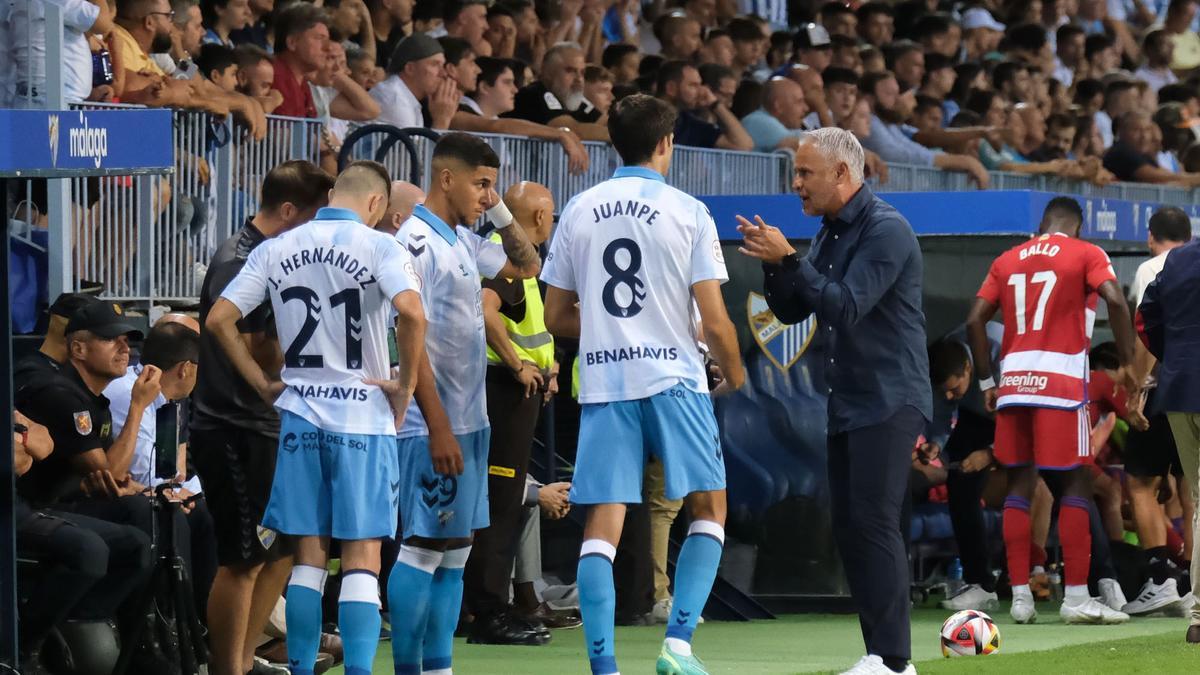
523,259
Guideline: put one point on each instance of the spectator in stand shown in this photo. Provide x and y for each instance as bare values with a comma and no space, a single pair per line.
1131,158
339,100
531,44
845,53
598,90
427,18
464,71
362,68
679,84
876,23
1089,96
938,83
1060,133
255,76
218,65
1100,56
872,60
907,62
467,19
679,36
779,123
350,19
1181,93
187,31
1027,43
981,34
1160,52
1181,14
1011,79
416,73
501,33
26,54
721,82
1120,97
1070,53
892,139
838,19
747,46
717,49
556,99
222,17
392,20
622,61
841,93
257,32
927,114
811,47
301,36
997,152
939,34
1087,141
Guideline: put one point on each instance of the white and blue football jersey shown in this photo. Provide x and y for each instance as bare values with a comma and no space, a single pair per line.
331,283
449,263
631,248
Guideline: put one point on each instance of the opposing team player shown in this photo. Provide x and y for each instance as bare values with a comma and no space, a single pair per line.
629,257
443,444
334,284
1041,288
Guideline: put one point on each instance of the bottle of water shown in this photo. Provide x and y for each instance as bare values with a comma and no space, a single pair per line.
954,577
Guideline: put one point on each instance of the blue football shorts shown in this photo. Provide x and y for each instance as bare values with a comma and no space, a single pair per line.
443,507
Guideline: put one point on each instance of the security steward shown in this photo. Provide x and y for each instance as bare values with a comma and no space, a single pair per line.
521,377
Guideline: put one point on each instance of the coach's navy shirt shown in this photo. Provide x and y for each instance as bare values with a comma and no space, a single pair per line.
862,280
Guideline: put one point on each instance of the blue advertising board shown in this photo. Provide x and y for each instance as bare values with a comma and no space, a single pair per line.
999,212
57,143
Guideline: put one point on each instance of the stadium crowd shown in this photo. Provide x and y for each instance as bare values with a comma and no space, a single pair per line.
1096,90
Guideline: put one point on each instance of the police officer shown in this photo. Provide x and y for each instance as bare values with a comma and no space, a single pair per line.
522,375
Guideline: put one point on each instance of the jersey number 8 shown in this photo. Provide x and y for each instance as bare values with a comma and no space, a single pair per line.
623,275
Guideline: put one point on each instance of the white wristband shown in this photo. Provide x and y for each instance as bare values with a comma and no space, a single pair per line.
500,215
987,383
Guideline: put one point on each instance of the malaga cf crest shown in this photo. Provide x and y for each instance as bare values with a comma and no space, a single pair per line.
781,343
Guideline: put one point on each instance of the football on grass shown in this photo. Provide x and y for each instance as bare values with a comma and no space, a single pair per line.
968,633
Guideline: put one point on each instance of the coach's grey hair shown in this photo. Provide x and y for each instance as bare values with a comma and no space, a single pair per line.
838,145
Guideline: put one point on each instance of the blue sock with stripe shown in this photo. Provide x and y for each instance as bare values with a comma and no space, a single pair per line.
445,602
359,620
695,571
304,617
598,603
408,597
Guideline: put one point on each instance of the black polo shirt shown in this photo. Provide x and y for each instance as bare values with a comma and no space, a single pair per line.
538,104
1123,161
78,421
692,130
32,369
222,399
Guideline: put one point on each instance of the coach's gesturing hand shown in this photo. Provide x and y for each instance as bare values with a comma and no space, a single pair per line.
760,240
445,453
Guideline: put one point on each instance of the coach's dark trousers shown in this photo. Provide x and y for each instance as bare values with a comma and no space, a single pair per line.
868,479
513,417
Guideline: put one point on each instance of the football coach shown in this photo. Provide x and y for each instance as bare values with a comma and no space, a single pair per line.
862,280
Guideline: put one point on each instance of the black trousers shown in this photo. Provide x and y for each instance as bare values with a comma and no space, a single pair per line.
203,542
633,568
87,568
868,484
514,418
964,490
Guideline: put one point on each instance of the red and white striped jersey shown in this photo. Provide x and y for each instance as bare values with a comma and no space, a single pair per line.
1046,291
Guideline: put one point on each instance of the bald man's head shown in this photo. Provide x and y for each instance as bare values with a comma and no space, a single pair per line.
181,319
532,206
785,102
405,196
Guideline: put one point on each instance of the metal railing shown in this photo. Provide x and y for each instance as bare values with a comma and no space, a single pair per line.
149,238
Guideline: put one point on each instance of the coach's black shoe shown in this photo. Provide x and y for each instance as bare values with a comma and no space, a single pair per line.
1193,635
503,628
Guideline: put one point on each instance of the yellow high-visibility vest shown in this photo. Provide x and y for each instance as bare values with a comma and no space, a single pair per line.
529,336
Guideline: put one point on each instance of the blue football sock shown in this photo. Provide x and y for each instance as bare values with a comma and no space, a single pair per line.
695,571
304,617
598,603
359,620
445,603
408,598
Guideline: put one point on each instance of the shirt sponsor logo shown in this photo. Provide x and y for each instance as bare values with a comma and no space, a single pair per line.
630,353
331,393
1025,383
